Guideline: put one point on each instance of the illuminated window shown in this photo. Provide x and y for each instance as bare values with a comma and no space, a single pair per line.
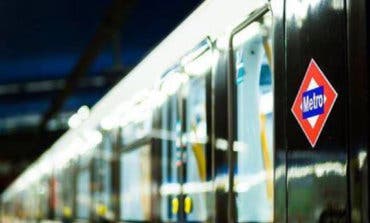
253,182
135,184
83,198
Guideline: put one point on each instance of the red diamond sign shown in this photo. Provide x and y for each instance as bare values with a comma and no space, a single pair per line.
313,103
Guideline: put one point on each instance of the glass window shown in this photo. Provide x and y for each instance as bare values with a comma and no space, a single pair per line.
254,123
65,191
83,199
196,130
43,188
135,184
102,171
170,128
30,202
137,129
197,187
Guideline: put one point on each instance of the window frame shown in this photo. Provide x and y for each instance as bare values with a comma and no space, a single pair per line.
231,106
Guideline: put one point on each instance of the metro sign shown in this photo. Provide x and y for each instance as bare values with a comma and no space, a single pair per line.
313,103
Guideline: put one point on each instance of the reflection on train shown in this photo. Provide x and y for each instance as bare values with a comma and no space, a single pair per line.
196,145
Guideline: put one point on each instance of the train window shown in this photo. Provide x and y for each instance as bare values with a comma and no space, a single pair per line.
65,191
29,202
102,177
197,187
44,191
137,129
170,126
83,198
254,123
135,184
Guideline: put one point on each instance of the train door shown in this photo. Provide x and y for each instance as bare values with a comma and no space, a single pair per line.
186,156
251,120
169,127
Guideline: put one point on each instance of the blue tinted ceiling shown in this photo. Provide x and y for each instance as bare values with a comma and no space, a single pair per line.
42,40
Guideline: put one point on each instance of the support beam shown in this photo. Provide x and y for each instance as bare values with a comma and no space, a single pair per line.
110,25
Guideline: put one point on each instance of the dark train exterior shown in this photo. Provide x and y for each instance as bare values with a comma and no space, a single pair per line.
248,112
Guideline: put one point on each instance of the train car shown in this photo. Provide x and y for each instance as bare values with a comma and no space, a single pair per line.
250,111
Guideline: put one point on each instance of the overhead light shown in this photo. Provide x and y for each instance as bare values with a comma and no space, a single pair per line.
83,112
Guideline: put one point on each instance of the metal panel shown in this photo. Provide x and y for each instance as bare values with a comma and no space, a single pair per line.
317,177
280,109
219,136
358,110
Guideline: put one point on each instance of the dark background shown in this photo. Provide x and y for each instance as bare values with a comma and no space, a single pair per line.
56,56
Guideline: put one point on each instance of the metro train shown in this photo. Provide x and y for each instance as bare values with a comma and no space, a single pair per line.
249,111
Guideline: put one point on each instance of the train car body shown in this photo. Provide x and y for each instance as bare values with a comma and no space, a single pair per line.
250,111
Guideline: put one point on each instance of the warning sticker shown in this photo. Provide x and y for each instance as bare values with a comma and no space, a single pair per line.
313,103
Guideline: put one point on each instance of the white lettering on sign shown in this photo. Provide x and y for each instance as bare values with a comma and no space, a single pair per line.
309,104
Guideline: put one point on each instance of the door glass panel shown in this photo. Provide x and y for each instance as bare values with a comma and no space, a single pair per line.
198,186
43,190
170,159
253,182
65,191
103,178
105,171
83,199
135,184
186,156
